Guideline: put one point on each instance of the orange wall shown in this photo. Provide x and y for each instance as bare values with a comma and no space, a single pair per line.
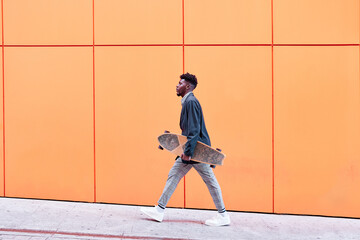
89,84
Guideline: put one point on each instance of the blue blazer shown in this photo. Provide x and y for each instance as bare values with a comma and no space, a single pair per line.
192,125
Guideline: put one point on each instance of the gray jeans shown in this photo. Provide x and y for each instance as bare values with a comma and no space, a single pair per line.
179,170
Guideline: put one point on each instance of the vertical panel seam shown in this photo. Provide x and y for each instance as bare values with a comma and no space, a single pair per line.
272,107
93,48
183,53
3,86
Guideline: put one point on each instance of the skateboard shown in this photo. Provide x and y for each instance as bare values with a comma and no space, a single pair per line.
175,143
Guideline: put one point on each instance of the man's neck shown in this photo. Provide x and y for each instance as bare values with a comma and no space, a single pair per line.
186,93
184,97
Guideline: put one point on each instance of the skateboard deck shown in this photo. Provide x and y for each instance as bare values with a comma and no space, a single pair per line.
175,143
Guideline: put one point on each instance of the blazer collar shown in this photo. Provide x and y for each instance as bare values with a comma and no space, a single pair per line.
185,97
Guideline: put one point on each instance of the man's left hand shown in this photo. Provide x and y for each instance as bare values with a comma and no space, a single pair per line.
185,157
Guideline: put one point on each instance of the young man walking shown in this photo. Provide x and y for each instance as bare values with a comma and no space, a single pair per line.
193,127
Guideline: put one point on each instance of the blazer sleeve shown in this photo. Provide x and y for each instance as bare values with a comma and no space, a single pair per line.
193,125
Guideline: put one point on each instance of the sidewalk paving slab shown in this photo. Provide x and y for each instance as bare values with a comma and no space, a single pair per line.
29,219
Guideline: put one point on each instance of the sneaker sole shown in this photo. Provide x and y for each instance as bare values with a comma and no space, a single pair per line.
216,225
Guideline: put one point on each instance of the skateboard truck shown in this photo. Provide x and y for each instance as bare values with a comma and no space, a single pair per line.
160,147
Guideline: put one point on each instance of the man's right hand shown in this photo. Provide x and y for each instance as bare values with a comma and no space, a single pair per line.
185,157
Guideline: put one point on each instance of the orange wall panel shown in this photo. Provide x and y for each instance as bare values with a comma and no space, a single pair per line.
235,92
228,21
316,21
317,131
135,102
48,22
48,121
138,22
1,28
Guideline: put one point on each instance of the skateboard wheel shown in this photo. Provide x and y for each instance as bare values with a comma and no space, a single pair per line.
166,131
218,149
160,147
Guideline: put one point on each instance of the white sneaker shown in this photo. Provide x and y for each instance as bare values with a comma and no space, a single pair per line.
221,219
153,213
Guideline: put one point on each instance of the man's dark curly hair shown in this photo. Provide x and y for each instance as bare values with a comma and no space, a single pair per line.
190,78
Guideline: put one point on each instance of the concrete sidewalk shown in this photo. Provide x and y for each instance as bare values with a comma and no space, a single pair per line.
24,219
